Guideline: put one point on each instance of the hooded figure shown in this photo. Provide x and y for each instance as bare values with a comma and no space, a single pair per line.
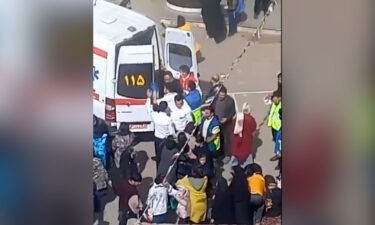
241,196
196,183
222,209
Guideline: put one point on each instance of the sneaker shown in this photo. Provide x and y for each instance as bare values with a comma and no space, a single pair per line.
276,157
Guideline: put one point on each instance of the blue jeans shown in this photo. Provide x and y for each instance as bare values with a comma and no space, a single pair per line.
159,218
257,207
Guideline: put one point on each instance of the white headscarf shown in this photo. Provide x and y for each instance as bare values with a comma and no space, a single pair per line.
238,127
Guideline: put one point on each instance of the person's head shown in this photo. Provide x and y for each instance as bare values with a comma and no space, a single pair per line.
196,172
170,143
179,101
181,138
222,93
192,86
180,21
249,170
124,128
279,79
215,79
270,180
163,105
184,70
199,139
168,77
208,112
135,178
203,159
257,169
159,179
189,128
276,97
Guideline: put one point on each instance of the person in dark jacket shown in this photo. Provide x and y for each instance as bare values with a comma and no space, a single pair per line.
259,6
213,19
241,196
168,151
222,208
273,201
126,190
175,85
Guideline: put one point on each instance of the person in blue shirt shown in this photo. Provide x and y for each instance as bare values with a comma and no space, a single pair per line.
194,100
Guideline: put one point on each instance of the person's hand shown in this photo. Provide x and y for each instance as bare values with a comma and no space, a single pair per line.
149,93
191,155
175,156
223,120
165,182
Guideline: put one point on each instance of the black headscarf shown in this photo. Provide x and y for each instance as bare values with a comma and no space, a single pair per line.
124,129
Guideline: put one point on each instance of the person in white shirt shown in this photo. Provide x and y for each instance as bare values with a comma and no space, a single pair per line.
162,122
180,113
168,95
157,200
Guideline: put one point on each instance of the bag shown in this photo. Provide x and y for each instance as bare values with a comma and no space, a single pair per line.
173,203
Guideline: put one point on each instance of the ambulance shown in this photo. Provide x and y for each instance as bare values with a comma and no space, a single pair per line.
128,56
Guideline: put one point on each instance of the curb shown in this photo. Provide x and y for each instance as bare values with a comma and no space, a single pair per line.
168,22
182,9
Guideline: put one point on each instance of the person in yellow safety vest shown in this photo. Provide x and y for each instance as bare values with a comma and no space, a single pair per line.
274,120
183,25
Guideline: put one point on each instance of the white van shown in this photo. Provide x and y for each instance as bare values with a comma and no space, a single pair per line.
128,57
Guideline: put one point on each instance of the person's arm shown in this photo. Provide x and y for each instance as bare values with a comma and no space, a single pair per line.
171,128
215,134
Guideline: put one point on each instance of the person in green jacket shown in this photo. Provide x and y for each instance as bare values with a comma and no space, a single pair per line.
274,120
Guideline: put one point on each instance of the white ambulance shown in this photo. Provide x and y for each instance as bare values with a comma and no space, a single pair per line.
128,57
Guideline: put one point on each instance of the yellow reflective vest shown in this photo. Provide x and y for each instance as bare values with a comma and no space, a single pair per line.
274,117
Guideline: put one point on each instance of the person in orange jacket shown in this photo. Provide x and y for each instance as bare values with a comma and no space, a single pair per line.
185,77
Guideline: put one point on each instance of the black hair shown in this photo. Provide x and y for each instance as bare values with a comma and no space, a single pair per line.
170,143
249,170
196,172
199,138
269,180
167,72
223,90
180,21
189,127
276,94
178,97
163,105
181,138
185,69
135,176
192,86
159,179
256,168
208,108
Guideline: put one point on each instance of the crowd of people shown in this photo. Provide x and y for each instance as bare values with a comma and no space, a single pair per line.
193,139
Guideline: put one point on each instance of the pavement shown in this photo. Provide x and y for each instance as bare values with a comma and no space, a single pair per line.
251,80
